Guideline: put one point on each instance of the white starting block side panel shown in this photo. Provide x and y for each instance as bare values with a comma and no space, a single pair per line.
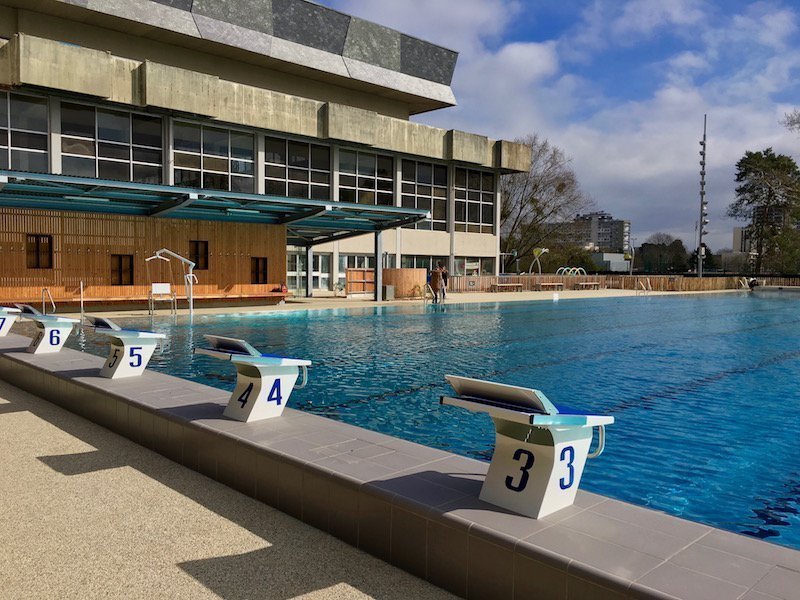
51,335
535,479
128,357
8,316
261,391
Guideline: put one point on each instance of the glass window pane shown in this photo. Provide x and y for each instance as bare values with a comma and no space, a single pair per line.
318,177
186,178
440,210
113,126
298,154
148,131
77,120
408,202
385,185
276,172
474,212
440,175
347,161
298,175
320,192
3,110
275,188
80,167
461,178
147,155
147,174
424,203
215,141
29,161
187,137
215,181
321,158
385,199
110,150
297,190
74,146
113,170
3,158
487,181
366,197
190,161
346,195
275,151
424,173
3,137
242,145
242,167
474,180
347,180
461,211
213,163
487,214
242,184
409,170
28,112
366,165
32,141
385,167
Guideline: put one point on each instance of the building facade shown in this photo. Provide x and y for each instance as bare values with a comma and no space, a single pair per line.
599,232
241,107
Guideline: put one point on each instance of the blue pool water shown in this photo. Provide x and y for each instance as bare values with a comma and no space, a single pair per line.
704,388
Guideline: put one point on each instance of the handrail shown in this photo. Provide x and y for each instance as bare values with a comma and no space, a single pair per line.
50,296
601,442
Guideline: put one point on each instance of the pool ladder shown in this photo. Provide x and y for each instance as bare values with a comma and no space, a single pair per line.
46,292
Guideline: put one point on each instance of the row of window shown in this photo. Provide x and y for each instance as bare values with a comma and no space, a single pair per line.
39,255
126,146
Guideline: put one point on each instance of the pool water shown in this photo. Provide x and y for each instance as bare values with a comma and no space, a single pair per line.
704,389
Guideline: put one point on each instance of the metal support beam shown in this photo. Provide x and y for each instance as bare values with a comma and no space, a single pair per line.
309,271
304,215
172,205
378,266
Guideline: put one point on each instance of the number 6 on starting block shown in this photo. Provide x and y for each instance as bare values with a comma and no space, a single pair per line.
263,383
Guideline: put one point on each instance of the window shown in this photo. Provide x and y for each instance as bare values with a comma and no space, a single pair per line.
213,158
122,269
474,201
424,185
39,251
473,266
354,261
366,178
198,254
110,144
23,133
258,269
297,169
422,262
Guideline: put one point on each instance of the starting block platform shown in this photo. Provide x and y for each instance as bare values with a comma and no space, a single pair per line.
263,383
130,350
8,316
52,331
539,453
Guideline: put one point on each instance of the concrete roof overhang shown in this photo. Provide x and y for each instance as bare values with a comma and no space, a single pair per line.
308,222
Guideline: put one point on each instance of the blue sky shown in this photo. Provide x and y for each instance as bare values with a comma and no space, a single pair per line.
621,86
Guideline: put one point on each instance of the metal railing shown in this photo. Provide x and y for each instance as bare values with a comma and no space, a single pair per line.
46,291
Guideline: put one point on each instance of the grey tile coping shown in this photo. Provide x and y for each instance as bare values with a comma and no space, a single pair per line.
410,505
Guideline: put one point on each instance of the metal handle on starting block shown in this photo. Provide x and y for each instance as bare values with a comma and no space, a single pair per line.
601,442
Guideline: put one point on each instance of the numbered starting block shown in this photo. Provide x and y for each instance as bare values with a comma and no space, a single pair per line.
130,350
263,382
52,331
8,317
539,453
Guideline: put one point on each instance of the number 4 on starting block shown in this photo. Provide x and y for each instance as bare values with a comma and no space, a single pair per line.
263,383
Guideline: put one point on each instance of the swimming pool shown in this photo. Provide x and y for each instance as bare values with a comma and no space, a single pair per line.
704,388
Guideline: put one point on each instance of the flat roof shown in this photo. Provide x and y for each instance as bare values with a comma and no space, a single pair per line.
308,222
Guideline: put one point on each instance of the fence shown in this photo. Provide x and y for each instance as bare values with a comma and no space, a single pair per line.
658,283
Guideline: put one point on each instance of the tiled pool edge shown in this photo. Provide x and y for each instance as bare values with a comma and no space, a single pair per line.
412,506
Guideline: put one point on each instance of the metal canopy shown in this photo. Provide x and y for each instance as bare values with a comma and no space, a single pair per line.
308,222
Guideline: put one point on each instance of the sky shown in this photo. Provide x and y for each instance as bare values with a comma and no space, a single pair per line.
621,86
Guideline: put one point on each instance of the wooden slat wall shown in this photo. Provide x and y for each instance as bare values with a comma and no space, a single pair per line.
84,242
408,283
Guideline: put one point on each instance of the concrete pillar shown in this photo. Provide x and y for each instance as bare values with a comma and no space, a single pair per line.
309,271
378,266
55,136
398,201
451,215
497,197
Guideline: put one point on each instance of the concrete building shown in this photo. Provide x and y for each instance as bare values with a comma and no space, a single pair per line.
599,231
229,132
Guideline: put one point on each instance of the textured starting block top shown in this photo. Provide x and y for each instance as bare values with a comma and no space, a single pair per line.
28,312
515,404
239,351
6,310
108,327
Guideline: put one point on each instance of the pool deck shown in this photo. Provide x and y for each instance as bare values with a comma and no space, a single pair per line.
412,506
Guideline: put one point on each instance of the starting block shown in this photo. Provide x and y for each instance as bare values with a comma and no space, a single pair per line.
539,453
263,383
130,350
8,317
52,331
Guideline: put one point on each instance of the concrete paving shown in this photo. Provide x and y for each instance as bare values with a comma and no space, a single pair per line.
89,514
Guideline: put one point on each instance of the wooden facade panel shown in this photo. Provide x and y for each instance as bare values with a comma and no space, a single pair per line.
84,242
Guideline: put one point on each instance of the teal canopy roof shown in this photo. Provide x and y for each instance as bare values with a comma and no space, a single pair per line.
308,222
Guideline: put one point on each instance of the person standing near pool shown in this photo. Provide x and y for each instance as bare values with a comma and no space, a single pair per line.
436,284
445,277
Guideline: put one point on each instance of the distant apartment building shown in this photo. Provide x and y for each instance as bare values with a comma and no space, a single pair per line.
598,231
741,239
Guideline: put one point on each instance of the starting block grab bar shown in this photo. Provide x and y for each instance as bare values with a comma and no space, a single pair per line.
263,382
539,453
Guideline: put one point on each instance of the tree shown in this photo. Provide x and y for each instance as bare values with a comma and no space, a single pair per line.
710,261
662,253
663,239
792,120
768,195
537,204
